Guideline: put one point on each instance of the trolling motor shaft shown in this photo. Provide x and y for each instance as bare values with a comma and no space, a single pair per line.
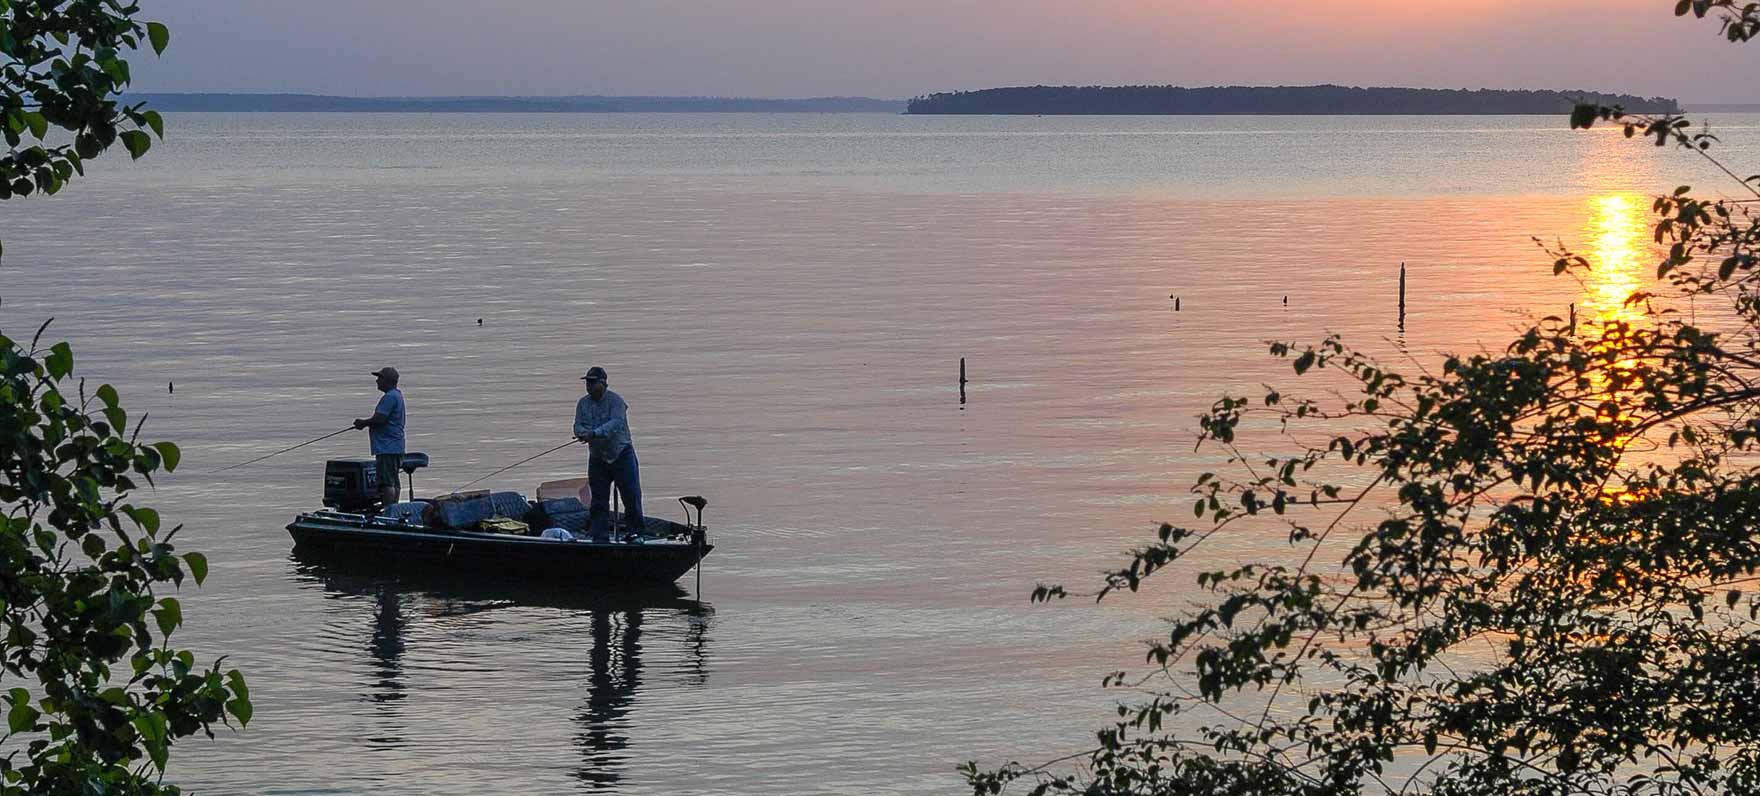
699,532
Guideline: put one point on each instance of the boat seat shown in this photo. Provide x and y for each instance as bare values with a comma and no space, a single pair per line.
413,462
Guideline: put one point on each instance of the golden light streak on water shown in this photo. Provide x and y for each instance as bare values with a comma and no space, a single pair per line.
1616,229
1617,232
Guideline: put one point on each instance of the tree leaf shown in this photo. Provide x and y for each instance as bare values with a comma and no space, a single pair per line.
159,36
22,717
169,615
198,566
169,453
150,726
240,706
146,518
137,142
60,361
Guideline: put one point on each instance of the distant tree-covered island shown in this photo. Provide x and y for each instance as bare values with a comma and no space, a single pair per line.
320,103
1313,100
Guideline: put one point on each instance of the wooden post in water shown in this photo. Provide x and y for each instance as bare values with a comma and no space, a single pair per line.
962,381
1176,303
1573,317
1402,297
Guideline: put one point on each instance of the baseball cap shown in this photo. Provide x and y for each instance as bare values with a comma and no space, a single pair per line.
594,373
389,373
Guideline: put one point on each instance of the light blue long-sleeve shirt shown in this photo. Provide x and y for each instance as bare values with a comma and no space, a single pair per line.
605,422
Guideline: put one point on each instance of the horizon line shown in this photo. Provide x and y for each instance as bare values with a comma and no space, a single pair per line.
824,97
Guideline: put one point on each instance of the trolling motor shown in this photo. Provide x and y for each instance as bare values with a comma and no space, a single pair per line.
698,531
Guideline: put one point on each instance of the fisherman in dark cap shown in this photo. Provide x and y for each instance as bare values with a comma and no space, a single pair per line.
385,432
601,420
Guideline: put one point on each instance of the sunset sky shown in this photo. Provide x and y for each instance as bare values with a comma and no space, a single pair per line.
900,48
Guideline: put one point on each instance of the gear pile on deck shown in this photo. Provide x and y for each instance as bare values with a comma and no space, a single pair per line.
503,532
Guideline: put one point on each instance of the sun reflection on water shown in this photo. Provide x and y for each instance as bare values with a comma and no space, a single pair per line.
1617,237
1617,245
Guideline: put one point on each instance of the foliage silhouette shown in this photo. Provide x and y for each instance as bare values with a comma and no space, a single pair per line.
1558,596
95,694
65,68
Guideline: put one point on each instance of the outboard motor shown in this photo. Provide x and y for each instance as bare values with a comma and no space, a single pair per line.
351,484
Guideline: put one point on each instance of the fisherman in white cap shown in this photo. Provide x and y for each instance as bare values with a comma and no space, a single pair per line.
385,433
601,420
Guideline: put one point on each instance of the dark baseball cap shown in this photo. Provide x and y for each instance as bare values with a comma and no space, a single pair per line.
389,373
594,373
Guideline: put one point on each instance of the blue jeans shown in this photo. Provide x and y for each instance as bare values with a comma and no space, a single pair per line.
600,476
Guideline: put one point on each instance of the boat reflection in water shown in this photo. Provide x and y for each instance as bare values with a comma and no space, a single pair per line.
614,668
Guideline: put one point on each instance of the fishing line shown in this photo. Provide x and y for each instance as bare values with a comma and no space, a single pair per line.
284,450
516,464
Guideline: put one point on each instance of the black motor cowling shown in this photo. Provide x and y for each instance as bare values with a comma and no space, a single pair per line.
351,484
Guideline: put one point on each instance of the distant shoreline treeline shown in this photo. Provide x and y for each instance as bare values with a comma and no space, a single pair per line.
1314,100
318,103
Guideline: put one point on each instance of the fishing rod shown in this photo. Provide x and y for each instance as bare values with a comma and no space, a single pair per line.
284,450
518,463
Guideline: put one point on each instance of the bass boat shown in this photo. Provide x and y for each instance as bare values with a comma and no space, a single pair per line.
498,533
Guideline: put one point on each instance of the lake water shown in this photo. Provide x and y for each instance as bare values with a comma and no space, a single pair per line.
784,302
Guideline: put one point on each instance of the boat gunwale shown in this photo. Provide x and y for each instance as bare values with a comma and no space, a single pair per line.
340,522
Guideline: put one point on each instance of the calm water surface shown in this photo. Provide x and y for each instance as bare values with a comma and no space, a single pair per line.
784,301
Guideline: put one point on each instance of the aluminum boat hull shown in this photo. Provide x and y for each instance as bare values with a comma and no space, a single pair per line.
358,537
